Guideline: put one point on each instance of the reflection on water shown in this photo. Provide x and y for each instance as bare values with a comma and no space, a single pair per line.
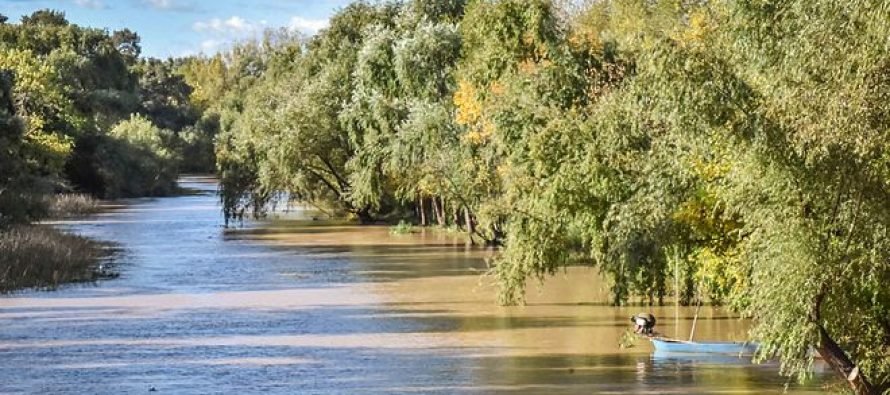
301,306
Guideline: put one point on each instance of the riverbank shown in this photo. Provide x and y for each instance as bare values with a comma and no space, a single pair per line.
44,256
41,256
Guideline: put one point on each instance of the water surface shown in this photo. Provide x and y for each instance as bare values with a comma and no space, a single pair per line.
303,306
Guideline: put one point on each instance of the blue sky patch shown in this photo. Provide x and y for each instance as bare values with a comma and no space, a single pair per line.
186,27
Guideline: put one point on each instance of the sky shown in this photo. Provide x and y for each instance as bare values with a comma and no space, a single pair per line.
186,27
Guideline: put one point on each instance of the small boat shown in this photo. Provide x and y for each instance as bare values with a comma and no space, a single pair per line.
664,345
690,347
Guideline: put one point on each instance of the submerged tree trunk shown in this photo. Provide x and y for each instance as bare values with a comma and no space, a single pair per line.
837,358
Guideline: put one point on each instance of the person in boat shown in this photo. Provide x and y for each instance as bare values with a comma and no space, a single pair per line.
644,323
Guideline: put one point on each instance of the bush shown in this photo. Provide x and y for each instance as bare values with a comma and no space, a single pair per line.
197,145
135,160
44,257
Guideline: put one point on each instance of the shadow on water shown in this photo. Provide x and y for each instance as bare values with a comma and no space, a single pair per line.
317,351
296,306
299,369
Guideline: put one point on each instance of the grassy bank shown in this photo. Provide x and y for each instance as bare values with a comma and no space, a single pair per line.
44,257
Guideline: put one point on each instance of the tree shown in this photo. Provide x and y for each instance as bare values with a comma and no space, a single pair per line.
73,86
15,180
127,43
301,106
40,99
45,18
738,149
733,165
164,95
134,160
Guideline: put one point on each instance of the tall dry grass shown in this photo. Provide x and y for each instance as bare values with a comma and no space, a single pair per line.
44,257
66,205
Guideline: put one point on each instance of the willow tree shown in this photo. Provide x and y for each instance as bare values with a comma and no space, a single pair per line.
816,180
762,127
796,94
500,39
299,104
427,150
399,115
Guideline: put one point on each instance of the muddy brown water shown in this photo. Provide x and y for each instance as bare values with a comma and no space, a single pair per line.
302,306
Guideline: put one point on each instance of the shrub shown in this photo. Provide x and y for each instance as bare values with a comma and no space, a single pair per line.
135,160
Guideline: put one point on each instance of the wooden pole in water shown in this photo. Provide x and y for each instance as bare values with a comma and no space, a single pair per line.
695,319
676,293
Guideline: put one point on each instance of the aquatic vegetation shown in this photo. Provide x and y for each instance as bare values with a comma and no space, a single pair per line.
402,228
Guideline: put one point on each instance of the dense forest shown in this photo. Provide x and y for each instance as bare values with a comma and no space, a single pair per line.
728,152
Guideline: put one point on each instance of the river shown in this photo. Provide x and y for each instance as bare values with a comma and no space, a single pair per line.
301,306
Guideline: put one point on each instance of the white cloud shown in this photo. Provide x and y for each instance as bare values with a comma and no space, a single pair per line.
218,33
233,25
162,4
309,26
94,4
211,46
170,5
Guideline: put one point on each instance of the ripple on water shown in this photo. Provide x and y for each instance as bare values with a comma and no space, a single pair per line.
302,306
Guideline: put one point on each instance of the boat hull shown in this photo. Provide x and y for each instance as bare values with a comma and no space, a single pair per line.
685,347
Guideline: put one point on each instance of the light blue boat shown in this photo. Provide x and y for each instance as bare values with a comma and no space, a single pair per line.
666,345
662,357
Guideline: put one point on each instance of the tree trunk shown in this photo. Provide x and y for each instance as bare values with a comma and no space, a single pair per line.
455,216
842,365
422,210
439,210
364,216
471,226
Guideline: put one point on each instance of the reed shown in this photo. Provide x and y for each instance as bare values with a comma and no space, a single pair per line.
33,256
67,205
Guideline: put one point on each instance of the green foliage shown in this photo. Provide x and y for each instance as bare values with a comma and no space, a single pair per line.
134,160
73,84
18,184
729,151
164,95
402,228
749,146
45,18
197,151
